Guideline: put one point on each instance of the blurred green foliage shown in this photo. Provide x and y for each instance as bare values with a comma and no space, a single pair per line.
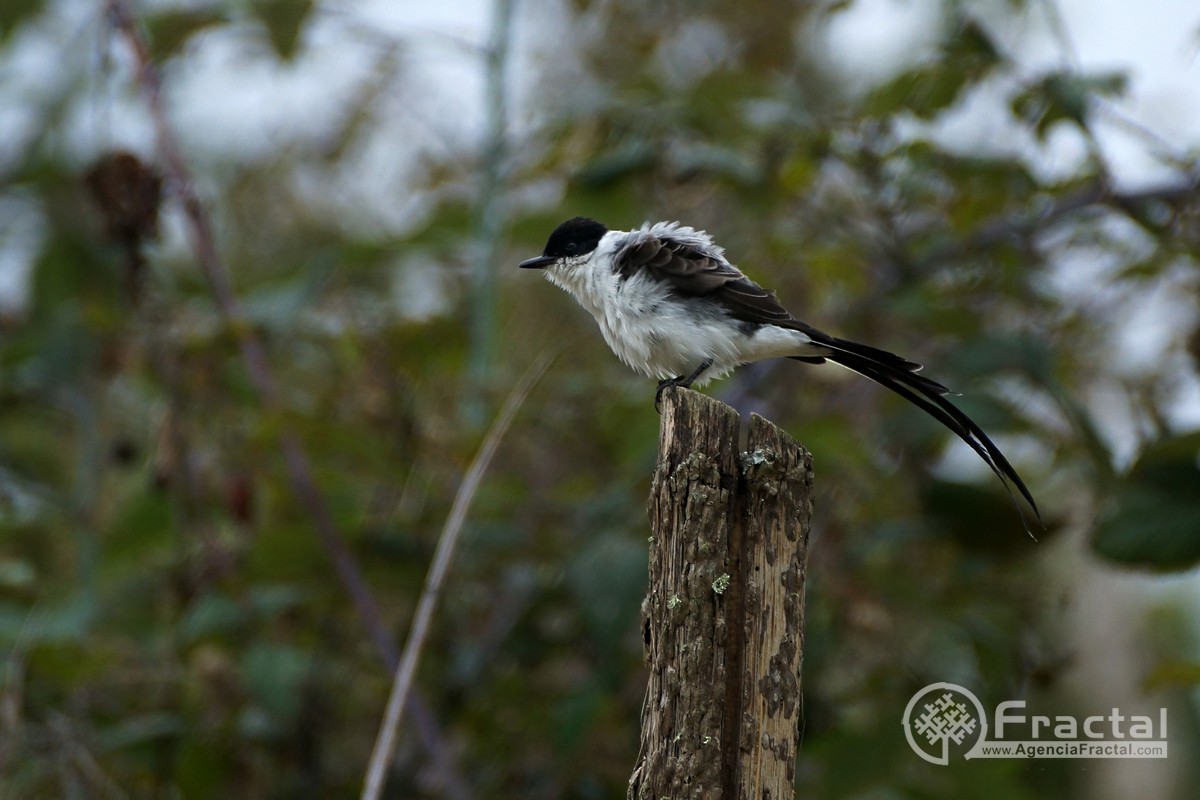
170,625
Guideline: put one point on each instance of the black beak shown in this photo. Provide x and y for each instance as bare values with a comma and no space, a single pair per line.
541,262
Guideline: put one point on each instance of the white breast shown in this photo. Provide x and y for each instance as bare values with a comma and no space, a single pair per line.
660,334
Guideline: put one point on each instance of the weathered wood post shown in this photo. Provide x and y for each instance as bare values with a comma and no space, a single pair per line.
723,616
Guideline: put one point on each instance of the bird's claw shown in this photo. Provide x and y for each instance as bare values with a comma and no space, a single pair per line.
682,380
662,387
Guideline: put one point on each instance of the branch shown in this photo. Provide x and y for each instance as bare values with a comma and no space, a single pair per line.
489,221
385,742
1005,228
216,275
298,466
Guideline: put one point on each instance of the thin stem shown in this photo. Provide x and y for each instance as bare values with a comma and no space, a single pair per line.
203,244
490,219
299,469
1003,228
385,742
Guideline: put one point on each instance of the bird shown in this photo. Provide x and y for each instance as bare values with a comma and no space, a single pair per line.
671,306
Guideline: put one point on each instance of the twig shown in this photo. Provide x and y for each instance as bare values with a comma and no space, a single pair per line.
1058,29
1165,150
1004,228
490,211
77,754
1162,148
216,275
299,471
385,742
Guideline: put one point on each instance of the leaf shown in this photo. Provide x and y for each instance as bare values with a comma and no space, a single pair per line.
1088,432
17,574
1193,347
141,729
200,765
1173,674
987,355
66,622
1064,96
274,599
973,45
923,91
15,12
279,305
141,530
724,162
168,32
1154,519
928,89
275,675
979,519
610,167
608,577
209,614
283,19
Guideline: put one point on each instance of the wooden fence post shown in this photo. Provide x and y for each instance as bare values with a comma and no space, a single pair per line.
723,616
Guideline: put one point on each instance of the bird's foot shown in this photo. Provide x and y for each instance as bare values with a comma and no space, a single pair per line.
684,381
662,387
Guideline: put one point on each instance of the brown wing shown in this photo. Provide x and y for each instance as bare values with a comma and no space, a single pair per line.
693,273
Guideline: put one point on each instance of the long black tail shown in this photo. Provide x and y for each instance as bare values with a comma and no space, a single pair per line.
899,375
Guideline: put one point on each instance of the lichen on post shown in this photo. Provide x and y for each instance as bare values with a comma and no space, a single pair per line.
724,612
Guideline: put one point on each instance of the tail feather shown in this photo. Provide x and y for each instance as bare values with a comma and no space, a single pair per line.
898,375
881,357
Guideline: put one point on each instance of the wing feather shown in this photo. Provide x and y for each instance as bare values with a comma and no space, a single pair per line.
692,266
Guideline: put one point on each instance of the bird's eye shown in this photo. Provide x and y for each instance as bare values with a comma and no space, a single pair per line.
571,248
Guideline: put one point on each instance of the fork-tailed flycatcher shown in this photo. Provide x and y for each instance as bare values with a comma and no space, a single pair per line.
673,308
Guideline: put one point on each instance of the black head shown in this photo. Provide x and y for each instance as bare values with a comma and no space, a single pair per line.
573,238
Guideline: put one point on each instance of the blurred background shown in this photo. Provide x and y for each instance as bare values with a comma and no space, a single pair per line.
1005,190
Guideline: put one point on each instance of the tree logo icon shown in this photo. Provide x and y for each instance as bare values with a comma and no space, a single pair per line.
941,719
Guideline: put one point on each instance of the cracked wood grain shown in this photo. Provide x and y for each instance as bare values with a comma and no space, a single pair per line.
724,612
